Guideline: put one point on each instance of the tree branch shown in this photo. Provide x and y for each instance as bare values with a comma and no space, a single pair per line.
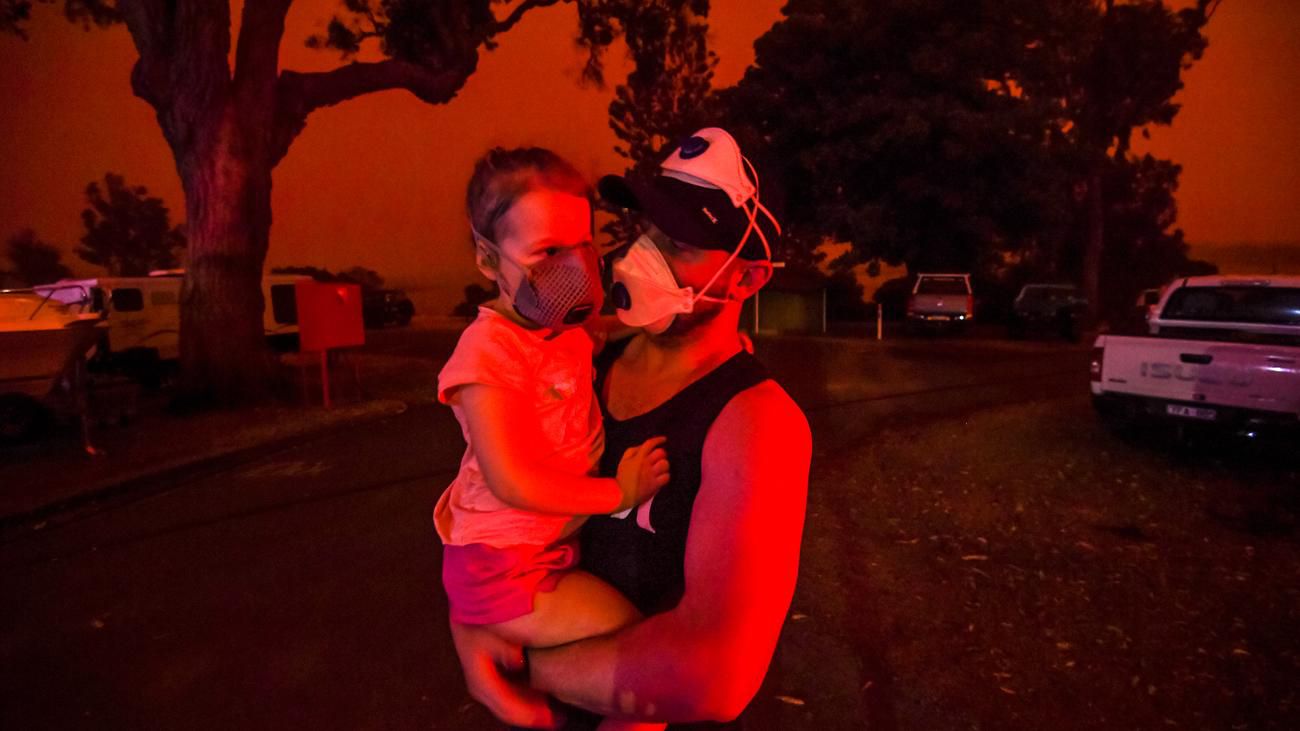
147,22
327,88
257,52
299,94
517,14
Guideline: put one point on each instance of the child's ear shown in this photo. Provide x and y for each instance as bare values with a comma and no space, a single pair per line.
486,260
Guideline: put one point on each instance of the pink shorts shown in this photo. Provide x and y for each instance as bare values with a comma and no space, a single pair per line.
488,585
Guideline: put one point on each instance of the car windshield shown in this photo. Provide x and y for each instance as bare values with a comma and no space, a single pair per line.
1253,304
942,285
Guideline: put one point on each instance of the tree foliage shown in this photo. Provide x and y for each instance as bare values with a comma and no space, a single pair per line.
15,14
666,96
948,134
33,261
890,129
368,278
128,232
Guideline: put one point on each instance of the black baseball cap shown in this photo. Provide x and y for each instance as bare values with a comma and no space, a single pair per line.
699,197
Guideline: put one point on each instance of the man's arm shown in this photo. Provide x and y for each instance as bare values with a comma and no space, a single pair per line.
705,659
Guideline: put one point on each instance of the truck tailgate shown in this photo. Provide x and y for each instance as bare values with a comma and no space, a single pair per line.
1249,376
946,304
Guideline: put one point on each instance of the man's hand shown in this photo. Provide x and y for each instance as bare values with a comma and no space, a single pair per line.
486,659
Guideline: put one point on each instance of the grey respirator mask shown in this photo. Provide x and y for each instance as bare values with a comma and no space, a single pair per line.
559,292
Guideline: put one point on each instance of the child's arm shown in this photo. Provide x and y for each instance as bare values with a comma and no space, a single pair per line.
508,442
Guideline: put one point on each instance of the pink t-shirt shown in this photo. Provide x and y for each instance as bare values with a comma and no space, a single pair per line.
553,380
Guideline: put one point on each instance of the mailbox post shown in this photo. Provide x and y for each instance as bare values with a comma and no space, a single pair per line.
329,317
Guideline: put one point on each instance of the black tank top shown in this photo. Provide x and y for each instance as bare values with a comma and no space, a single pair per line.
650,568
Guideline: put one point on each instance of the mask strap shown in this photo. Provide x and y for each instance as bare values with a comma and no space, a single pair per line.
753,227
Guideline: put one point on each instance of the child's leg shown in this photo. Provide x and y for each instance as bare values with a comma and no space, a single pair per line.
580,606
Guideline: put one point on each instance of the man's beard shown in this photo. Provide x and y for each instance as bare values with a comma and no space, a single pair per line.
684,324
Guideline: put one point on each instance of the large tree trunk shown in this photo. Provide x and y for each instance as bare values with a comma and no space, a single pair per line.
227,132
224,356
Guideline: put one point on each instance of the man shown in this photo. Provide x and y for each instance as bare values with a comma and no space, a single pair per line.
713,558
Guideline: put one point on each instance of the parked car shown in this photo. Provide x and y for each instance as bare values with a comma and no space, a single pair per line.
1048,309
1223,351
944,300
380,307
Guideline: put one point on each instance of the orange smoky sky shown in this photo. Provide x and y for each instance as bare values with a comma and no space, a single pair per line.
379,181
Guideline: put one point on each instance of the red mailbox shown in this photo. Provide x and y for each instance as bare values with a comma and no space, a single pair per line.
329,315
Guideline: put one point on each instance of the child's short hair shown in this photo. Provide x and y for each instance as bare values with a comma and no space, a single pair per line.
502,177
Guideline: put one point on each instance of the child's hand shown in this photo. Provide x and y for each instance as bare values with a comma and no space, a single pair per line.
642,471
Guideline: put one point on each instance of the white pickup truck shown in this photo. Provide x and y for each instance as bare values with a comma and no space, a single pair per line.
1220,350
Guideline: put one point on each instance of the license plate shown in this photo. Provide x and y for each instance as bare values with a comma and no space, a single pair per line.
1190,412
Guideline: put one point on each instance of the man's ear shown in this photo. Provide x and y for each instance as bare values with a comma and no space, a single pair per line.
753,277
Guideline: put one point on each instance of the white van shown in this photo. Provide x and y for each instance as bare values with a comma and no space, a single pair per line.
144,316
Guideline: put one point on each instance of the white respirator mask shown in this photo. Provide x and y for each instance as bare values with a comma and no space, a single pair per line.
645,291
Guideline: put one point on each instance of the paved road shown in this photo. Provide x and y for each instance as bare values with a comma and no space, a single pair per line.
301,589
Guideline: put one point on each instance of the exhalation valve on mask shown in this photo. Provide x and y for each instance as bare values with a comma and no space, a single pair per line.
645,290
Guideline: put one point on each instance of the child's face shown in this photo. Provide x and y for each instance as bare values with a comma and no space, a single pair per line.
540,224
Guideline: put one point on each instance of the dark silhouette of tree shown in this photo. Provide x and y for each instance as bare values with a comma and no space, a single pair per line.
1144,248
955,135
316,273
33,261
229,125
889,126
15,13
666,96
365,277
1110,68
475,295
128,232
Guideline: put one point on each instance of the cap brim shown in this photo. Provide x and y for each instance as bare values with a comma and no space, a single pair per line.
675,207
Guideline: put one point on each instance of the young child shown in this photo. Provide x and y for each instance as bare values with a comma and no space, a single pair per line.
520,384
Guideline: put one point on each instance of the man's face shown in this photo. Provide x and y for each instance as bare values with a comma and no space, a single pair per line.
693,267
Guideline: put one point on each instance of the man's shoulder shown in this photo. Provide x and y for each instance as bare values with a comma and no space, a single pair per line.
762,412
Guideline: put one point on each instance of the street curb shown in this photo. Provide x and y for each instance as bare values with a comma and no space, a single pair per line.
180,469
